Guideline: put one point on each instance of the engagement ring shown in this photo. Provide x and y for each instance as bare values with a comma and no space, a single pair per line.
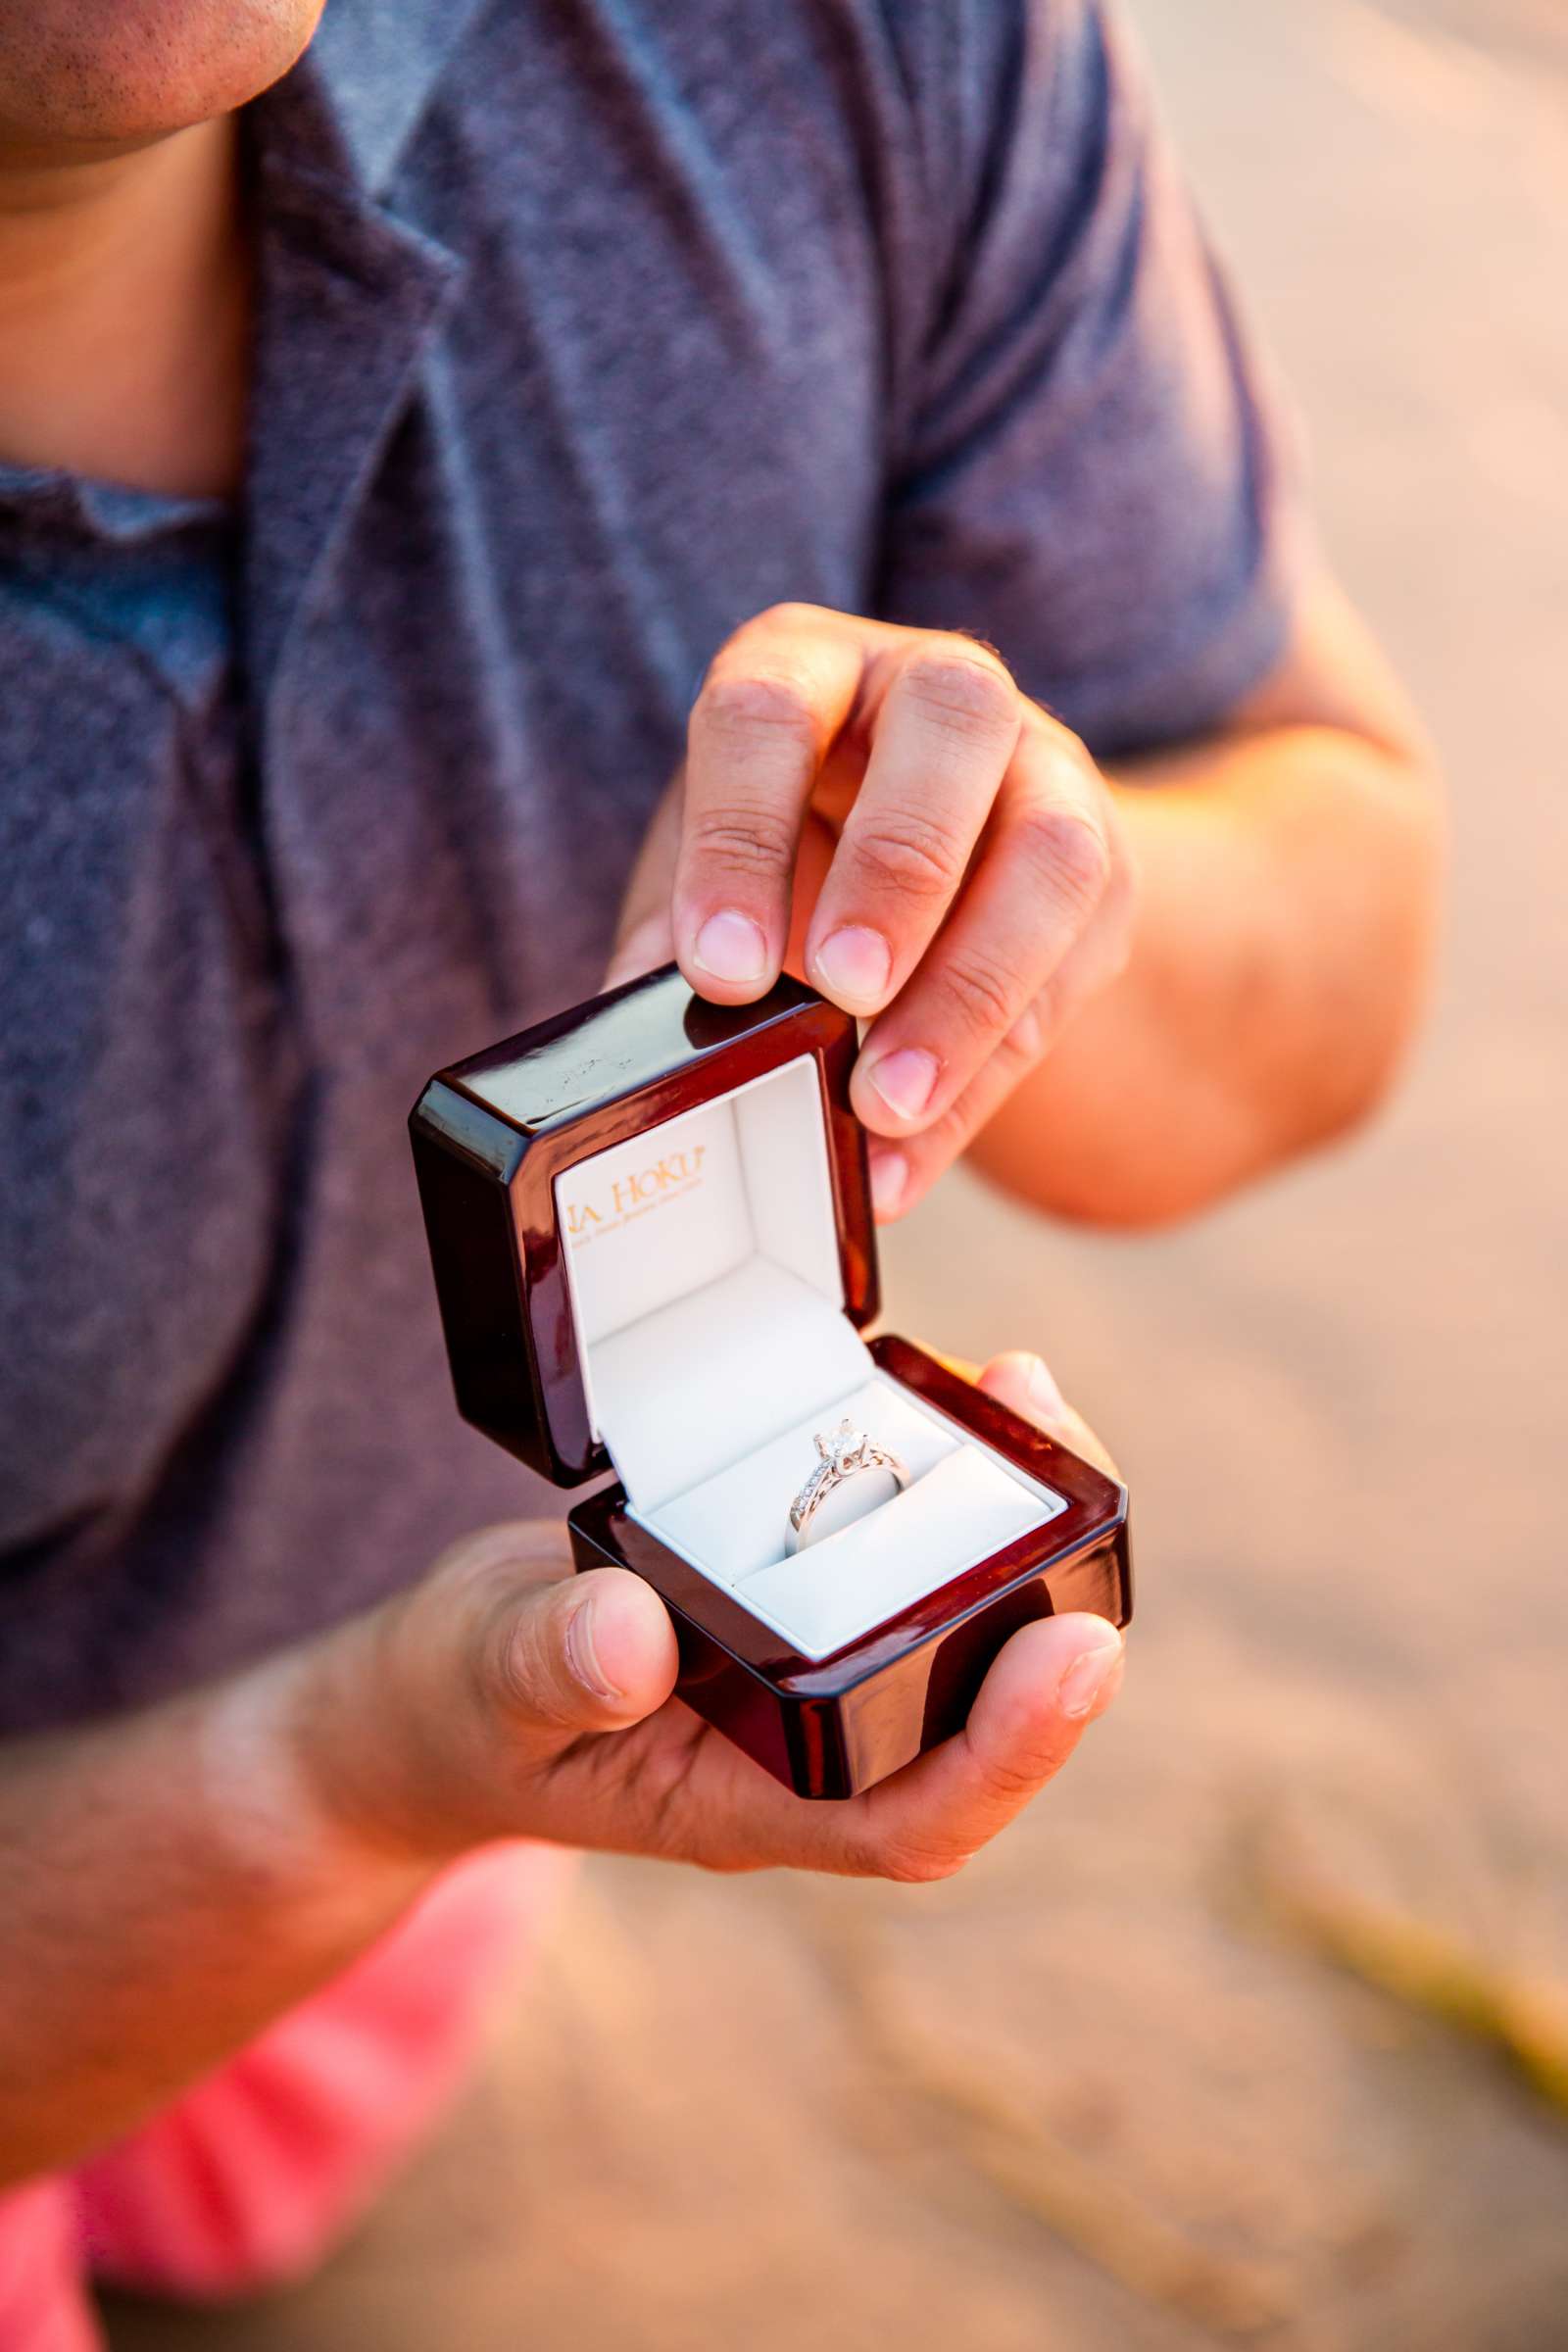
846,1453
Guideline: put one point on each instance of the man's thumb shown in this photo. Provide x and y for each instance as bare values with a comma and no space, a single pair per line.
588,1653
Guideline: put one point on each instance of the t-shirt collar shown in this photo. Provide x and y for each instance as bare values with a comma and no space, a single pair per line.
379,67
350,297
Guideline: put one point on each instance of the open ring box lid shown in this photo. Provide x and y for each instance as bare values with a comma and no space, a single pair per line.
650,1229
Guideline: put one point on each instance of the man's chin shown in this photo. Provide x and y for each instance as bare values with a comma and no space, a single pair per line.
100,74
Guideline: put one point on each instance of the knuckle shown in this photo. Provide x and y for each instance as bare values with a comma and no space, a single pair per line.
1069,852
742,840
731,1863
793,615
518,1673
1026,1040
746,644
981,994
743,708
913,859
1010,1782
962,687
908,1862
506,1676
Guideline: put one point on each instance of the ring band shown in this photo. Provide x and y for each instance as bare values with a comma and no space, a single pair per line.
845,1453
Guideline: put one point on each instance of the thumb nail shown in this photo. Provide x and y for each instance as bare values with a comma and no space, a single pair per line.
582,1654
1093,1679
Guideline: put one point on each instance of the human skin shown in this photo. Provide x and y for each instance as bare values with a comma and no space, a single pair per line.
177,1878
86,78
125,271
1123,992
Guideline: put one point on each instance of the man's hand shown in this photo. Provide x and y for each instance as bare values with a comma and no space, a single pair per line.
962,876
507,1696
175,1879
926,846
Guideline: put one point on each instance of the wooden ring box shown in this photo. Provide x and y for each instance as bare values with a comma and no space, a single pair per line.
651,1231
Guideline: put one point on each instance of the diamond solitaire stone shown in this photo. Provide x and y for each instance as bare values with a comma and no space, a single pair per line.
842,1454
844,1448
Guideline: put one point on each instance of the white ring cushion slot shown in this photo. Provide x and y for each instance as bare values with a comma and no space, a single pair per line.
710,1311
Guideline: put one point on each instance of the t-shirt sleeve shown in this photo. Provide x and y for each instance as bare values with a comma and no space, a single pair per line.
1093,470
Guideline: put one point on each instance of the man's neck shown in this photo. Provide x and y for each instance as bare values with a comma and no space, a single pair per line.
124,313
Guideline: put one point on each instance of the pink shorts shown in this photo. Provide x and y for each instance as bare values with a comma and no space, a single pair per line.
246,2180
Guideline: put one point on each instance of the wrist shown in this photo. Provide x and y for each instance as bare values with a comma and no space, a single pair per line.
393,1717
314,1746
429,1725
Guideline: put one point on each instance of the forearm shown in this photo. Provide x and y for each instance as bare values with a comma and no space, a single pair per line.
1285,897
173,1884
176,1881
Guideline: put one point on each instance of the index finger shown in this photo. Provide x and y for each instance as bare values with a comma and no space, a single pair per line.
774,700
1044,1688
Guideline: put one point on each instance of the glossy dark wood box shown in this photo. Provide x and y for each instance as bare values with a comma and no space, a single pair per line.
595,1076
834,1725
490,1136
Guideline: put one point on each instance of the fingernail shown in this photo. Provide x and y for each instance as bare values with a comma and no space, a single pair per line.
1045,1397
905,1080
582,1656
731,946
890,1173
854,966
1091,1681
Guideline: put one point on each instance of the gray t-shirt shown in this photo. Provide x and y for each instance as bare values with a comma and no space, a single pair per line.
584,334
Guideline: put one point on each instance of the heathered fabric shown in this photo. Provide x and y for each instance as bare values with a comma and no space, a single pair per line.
588,328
